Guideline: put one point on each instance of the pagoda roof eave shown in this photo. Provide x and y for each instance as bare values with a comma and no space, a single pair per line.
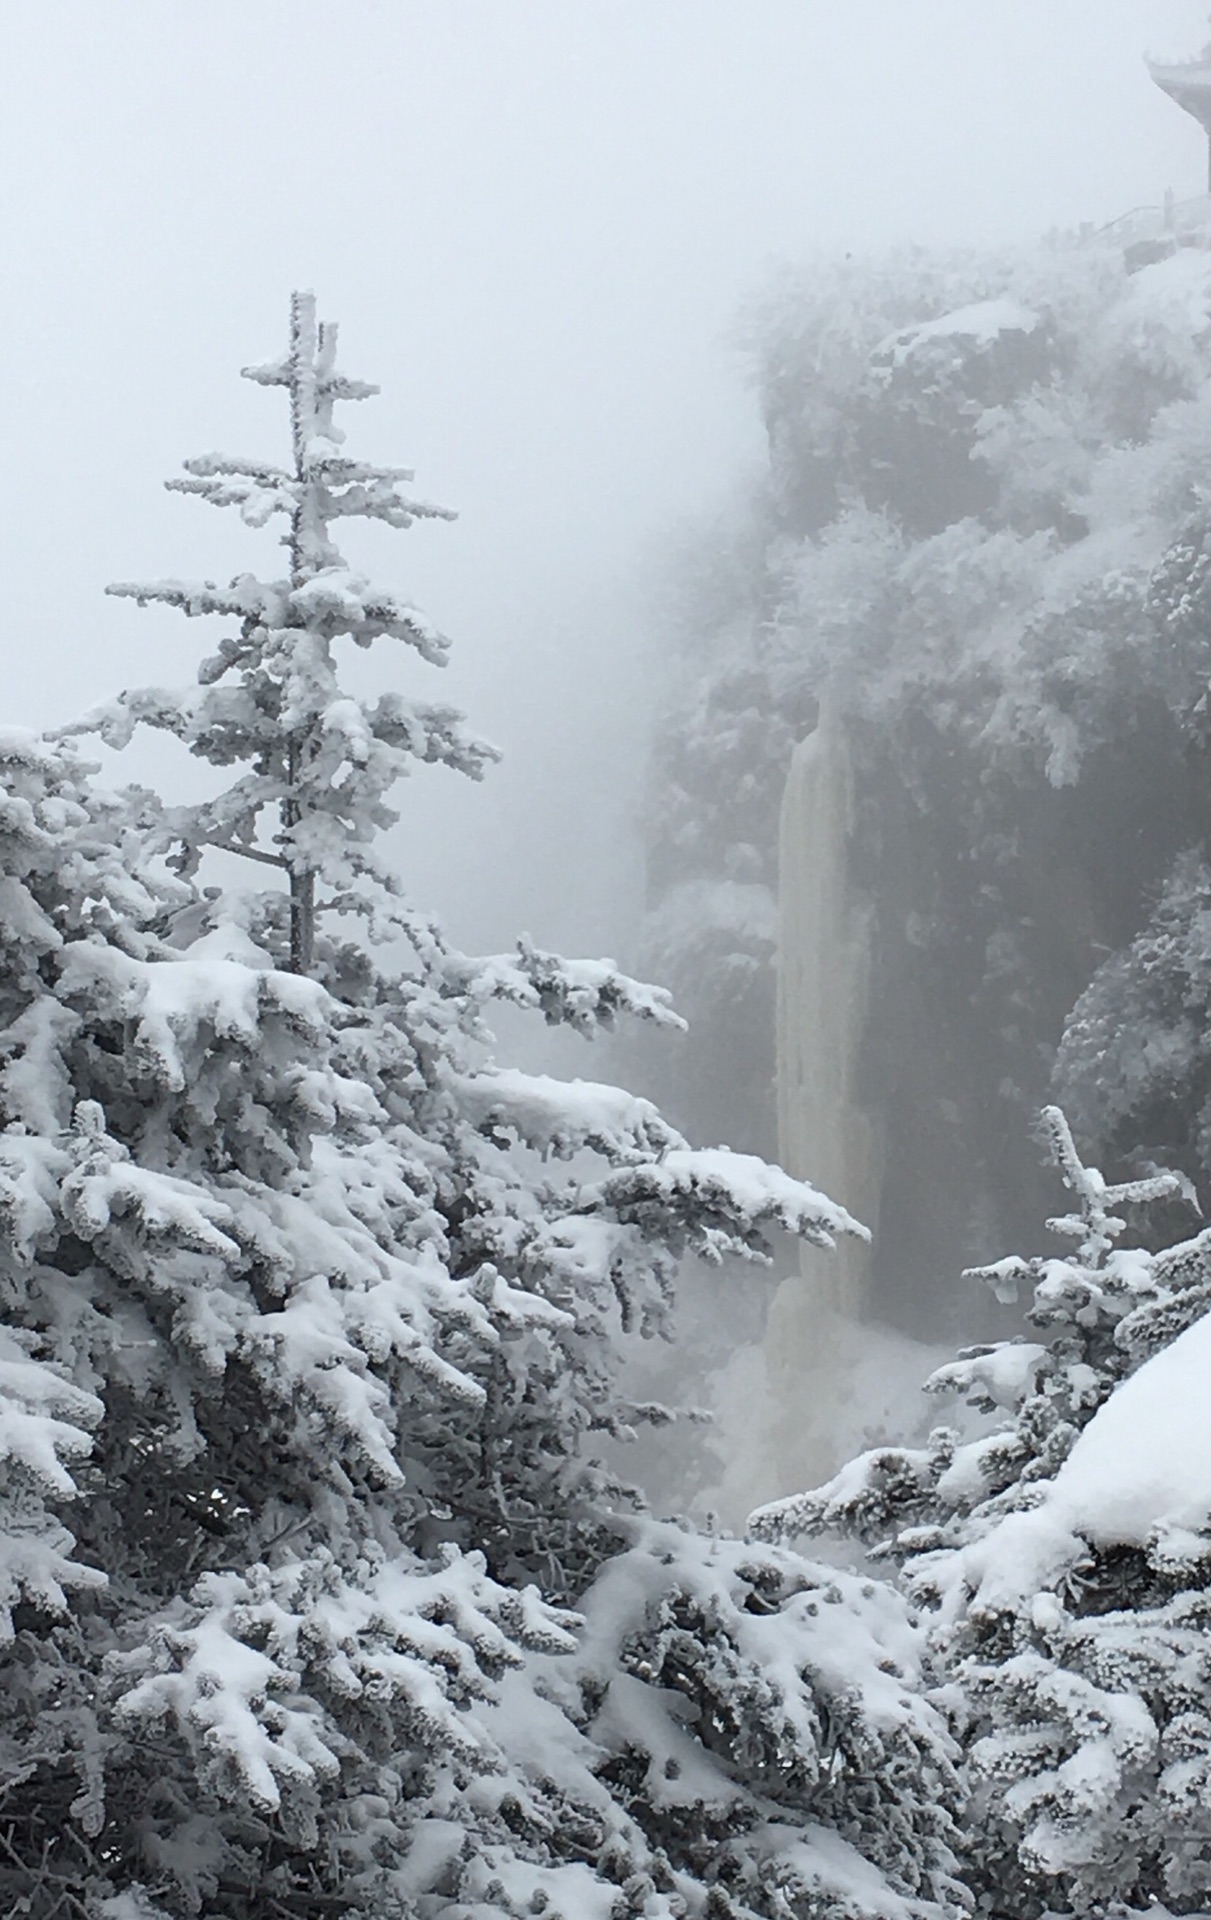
1188,85
1191,76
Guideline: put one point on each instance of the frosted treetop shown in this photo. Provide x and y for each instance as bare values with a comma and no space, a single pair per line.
320,761
325,485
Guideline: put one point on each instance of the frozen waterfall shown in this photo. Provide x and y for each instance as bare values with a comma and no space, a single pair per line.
817,1347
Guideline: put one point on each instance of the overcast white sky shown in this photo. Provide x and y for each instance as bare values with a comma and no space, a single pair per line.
535,220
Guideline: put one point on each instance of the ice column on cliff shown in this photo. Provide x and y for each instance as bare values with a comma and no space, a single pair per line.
824,1130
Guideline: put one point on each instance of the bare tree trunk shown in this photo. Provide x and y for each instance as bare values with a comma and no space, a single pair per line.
302,884
302,922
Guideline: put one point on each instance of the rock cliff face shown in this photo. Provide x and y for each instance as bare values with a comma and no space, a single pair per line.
948,654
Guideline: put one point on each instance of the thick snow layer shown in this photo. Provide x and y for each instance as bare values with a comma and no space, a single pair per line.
982,322
1140,1470
1004,1373
561,1116
1174,294
1145,1457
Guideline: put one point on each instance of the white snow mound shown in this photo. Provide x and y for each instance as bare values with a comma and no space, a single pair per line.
1140,1470
982,322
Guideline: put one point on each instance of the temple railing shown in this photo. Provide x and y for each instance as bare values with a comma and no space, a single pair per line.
1174,216
1148,233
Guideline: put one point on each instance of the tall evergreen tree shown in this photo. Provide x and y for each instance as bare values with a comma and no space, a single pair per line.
316,1596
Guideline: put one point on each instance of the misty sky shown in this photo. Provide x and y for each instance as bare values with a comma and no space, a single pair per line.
535,220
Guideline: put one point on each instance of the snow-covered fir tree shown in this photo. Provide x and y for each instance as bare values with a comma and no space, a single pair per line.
316,1597
1063,1555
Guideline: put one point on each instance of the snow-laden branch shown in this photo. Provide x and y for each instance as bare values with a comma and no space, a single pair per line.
718,1202
585,994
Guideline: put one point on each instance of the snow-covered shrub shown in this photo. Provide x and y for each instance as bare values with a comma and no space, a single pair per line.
1063,1554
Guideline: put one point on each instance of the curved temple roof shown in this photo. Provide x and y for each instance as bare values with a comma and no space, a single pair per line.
1188,83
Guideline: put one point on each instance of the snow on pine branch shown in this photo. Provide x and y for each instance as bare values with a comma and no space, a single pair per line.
870,1495
585,994
45,1419
367,492
108,1200
560,1117
1095,1226
327,382
46,1424
334,601
222,986
433,735
761,1705
241,1672
713,1202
